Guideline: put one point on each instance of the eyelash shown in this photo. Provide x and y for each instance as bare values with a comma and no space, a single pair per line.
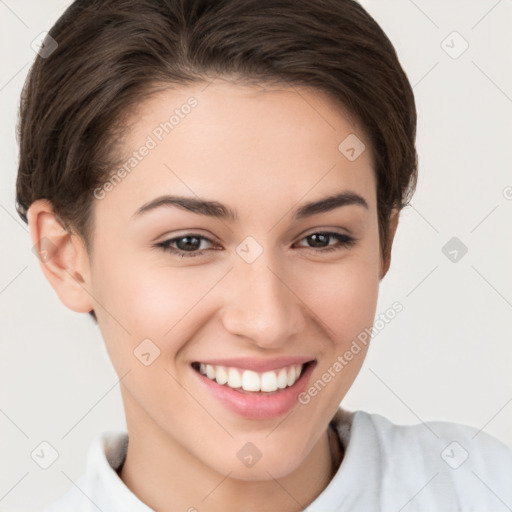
345,241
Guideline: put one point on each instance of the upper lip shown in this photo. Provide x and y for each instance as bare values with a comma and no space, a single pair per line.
257,364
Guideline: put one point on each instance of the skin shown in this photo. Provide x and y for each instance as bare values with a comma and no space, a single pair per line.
262,153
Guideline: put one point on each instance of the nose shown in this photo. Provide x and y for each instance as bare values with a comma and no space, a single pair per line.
262,306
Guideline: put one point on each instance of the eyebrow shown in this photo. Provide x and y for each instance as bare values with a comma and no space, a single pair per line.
221,211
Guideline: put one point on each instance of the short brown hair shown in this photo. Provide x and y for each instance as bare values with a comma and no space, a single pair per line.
112,53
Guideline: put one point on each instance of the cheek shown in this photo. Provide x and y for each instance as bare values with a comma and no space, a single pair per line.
343,296
149,300
145,322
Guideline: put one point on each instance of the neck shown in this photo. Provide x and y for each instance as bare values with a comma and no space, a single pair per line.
166,477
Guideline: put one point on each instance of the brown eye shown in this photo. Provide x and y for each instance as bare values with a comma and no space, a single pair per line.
185,246
320,242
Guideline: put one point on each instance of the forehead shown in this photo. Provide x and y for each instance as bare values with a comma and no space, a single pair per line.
244,145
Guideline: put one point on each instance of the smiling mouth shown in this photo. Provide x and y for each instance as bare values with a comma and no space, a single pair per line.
249,381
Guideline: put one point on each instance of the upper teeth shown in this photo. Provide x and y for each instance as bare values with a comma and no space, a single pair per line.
249,380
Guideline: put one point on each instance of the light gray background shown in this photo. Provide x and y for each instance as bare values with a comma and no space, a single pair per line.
445,357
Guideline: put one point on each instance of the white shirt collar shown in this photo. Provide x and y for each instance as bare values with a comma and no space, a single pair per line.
383,467
104,487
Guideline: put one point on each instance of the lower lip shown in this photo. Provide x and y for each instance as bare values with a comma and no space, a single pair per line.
259,406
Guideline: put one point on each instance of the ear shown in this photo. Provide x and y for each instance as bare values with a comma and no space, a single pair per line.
62,256
393,224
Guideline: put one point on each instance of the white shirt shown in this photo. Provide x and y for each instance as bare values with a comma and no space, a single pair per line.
428,467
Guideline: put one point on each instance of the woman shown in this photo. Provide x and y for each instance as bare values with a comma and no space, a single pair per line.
218,184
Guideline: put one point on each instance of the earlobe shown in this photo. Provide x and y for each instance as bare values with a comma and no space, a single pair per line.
393,224
62,256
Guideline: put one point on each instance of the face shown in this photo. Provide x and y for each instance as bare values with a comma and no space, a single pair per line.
252,284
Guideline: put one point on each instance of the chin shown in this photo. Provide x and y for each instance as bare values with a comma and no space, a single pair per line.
249,463
261,471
